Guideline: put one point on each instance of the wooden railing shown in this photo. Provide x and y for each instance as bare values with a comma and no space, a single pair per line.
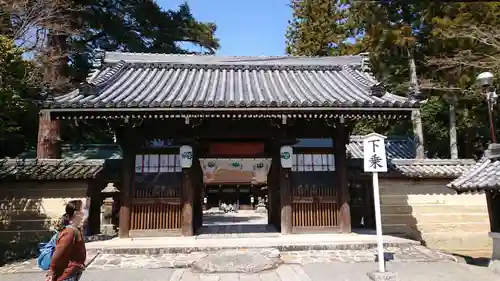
160,216
314,201
156,202
321,214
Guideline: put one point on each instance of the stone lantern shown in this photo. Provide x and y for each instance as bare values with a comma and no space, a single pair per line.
107,226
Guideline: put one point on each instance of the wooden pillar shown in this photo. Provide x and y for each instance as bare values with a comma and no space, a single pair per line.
493,203
198,199
128,162
286,201
49,137
94,219
340,141
187,204
188,196
272,187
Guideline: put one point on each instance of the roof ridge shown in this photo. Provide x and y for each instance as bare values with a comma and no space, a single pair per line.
108,53
433,161
493,151
114,57
103,79
228,66
389,138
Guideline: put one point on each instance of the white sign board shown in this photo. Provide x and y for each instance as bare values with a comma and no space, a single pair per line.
286,153
375,159
186,155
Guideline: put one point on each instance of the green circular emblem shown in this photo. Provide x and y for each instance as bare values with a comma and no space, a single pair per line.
285,155
236,164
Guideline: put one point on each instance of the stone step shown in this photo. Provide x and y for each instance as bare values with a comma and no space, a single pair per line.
160,250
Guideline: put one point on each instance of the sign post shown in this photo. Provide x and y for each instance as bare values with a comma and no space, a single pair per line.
375,161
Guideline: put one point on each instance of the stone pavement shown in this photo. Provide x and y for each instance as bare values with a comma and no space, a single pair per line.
117,261
243,224
433,271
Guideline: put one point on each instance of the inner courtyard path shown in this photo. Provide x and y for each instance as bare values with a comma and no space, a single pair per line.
241,224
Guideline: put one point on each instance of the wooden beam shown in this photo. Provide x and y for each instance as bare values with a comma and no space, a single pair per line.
341,137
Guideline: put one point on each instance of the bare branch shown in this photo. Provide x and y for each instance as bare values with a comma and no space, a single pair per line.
28,21
483,53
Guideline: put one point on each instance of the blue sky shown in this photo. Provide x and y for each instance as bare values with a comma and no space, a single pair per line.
244,28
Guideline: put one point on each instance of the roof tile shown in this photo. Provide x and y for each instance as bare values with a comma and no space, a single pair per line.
431,168
180,81
49,169
484,175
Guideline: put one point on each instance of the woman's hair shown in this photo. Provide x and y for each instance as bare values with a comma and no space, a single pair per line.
71,208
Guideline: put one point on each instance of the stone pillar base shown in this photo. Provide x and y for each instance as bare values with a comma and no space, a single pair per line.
383,276
495,256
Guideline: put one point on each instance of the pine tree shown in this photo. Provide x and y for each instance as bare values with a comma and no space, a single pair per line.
317,28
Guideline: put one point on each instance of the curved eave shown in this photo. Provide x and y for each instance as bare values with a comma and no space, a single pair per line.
234,113
484,176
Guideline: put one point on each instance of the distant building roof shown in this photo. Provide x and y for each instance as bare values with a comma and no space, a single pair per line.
79,152
484,175
135,81
78,162
395,147
49,169
431,168
401,157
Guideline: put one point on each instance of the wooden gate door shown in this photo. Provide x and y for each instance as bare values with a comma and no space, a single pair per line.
314,195
361,202
156,195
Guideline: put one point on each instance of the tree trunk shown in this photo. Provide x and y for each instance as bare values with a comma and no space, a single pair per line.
415,115
48,145
453,129
56,65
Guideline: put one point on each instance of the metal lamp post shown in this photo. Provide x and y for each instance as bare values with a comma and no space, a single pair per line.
485,81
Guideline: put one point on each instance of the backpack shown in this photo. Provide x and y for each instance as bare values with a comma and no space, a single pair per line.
47,250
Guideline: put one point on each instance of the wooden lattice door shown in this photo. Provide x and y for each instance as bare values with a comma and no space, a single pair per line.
314,194
156,194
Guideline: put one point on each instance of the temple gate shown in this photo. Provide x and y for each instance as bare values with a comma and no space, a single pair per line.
202,101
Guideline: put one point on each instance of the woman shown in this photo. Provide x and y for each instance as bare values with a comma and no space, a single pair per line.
67,263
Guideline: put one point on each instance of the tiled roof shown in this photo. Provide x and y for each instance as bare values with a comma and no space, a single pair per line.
129,80
485,175
82,152
431,168
395,147
49,169
401,157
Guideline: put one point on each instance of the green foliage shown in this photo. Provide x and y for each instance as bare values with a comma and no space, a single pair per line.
318,28
84,26
16,92
135,26
450,43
